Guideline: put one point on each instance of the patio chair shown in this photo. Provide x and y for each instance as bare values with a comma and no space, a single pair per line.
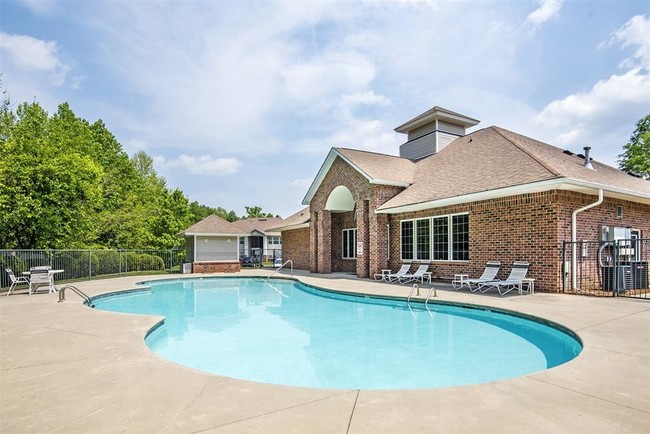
395,277
517,274
15,280
489,275
39,276
420,274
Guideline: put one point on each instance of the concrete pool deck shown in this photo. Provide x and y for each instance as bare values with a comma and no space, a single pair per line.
67,368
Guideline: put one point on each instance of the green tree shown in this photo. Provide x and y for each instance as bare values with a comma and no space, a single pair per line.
199,212
256,212
636,153
47,196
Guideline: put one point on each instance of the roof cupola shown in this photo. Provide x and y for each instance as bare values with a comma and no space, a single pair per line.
431,131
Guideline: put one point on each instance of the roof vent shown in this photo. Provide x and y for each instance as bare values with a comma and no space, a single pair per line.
566,151
587,162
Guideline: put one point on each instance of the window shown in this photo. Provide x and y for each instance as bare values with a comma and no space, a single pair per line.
349,243
423,239
440,238
273,240
407,240
460,237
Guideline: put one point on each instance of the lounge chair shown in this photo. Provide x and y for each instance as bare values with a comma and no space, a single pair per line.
15,280
517,274
489,275
420,274
39,276
395,277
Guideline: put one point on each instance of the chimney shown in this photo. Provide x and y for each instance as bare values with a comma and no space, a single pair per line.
431,131
587,162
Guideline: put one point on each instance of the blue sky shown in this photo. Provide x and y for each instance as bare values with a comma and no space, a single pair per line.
239,102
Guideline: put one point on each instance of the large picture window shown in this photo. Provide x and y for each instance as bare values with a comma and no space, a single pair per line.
349,243
440,238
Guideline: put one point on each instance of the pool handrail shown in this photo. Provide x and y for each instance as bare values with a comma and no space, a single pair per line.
280,267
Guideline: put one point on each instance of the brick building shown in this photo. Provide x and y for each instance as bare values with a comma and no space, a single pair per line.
457,200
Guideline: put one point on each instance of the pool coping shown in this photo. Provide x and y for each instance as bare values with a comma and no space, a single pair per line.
81,370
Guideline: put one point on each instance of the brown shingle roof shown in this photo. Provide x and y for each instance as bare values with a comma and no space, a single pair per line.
381,167
494,158
213,224
301,217
263,225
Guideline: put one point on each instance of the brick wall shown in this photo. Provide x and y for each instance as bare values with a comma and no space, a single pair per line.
515,228
295,246
371,228
529,227
216,267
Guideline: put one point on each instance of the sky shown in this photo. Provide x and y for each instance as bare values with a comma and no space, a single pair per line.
239,102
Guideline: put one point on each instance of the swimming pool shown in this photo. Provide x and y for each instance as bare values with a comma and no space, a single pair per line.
285,332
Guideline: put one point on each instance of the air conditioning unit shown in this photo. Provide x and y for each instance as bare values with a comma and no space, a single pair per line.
187,268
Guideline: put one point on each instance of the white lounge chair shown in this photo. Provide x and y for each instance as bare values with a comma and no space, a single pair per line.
517,274
420,274
15,280
489,275
395,277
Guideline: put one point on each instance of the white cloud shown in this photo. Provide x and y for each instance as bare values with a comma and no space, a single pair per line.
31,54
547,9
325,75
302,183
35,56
365,98
201,165
41,7
634,33
597,114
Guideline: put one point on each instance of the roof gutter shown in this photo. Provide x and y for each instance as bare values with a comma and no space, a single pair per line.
554,183
574,216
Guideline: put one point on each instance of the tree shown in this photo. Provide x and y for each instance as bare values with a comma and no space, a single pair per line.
636,156
49,191
199,212
256,212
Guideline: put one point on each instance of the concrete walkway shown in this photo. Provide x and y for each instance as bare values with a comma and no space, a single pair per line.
70,369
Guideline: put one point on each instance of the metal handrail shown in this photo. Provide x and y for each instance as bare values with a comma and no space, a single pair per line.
415,286
280,268
432,291
77,291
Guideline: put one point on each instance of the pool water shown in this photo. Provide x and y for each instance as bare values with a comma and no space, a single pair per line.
284,332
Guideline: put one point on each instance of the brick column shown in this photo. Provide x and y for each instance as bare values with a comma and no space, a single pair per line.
324,242
313,242
363,231
378,243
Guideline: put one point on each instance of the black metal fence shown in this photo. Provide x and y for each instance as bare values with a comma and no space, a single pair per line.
607,268
90,264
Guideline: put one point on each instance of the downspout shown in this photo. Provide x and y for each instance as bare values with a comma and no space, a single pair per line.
388,241
574,231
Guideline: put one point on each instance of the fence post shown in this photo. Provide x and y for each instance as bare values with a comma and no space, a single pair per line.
563,271
90,264
615,269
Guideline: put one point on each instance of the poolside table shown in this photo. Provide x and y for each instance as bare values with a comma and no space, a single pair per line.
50,275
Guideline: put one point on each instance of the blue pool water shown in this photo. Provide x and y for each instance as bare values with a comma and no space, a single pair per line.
284,332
